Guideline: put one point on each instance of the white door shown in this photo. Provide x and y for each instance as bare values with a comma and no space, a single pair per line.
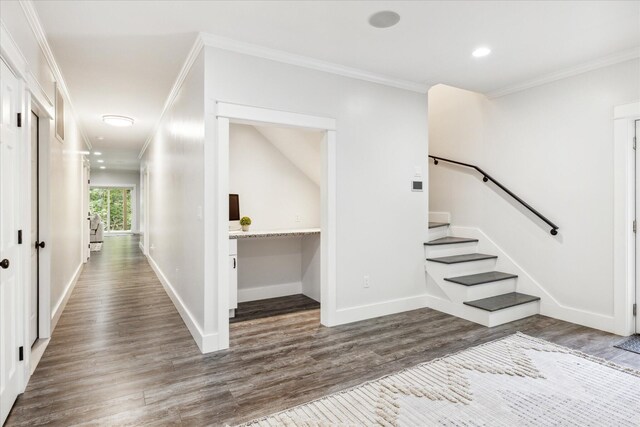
637,135
10,298
86,238
35,290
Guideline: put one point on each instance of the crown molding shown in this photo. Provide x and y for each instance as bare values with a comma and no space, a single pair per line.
175,89
617,58
34,22
307,62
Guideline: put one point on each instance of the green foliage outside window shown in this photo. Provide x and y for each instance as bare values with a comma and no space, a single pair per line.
114,207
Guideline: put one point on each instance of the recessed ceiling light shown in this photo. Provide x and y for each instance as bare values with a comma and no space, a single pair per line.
384,19
100,138
118,121
97,153
481,51
101,161
103,167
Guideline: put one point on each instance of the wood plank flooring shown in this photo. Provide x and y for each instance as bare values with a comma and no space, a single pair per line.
253,310
121,354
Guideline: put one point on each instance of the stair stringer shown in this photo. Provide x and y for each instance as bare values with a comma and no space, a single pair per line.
549,305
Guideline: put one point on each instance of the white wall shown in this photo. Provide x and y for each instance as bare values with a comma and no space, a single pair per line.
381,139
553,146
114,178
273,191
175,162
63,234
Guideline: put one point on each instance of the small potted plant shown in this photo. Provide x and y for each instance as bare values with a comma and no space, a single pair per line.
245,222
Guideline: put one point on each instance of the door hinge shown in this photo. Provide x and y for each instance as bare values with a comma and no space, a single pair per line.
19,237
19,120
635,309
635,226
20,353
634,142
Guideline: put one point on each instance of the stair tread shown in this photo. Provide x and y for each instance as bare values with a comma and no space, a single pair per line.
503,301
449,240
455,259
437,224
480,278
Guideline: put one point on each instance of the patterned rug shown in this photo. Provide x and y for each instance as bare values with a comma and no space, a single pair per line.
630,344
95,246
515,381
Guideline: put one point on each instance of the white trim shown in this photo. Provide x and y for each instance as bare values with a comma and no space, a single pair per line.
141,246
64,298
624,208
271,291
265,115
13,57
385,308
34,22
251,49
206,343
175,89
627,111
617,58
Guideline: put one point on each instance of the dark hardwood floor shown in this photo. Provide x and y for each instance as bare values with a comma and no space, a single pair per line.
253,310
121,355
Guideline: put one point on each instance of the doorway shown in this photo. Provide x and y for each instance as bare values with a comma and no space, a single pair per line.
274,179
34,304
219,183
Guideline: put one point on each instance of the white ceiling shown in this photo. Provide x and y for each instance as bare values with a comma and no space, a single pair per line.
122,57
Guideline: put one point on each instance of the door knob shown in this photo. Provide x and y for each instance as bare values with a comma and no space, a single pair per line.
40,245
4,263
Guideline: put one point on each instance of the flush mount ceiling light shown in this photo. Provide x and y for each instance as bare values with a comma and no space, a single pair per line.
118,121
481,51
384,19
97,153
100,161
103,167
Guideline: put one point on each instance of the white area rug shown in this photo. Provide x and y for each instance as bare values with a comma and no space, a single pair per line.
515,381
95,247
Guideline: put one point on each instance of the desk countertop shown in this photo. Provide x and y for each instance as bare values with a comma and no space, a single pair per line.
273,233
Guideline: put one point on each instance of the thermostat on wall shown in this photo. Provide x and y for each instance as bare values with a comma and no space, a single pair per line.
416,185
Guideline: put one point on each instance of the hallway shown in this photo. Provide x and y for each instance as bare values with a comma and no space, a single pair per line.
121,355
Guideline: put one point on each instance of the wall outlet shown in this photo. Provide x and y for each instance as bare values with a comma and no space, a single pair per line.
298,218
366,283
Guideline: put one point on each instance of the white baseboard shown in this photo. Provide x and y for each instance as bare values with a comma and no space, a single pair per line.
141,246
62,302
370,311
206,342
271,291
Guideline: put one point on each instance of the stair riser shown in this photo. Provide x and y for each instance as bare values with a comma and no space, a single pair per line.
511,314
460,269
438,232
449,250
482,317
458,294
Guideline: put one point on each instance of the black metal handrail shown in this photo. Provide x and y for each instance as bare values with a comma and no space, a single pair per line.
486,177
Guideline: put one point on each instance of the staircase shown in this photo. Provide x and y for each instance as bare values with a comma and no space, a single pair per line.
466,283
